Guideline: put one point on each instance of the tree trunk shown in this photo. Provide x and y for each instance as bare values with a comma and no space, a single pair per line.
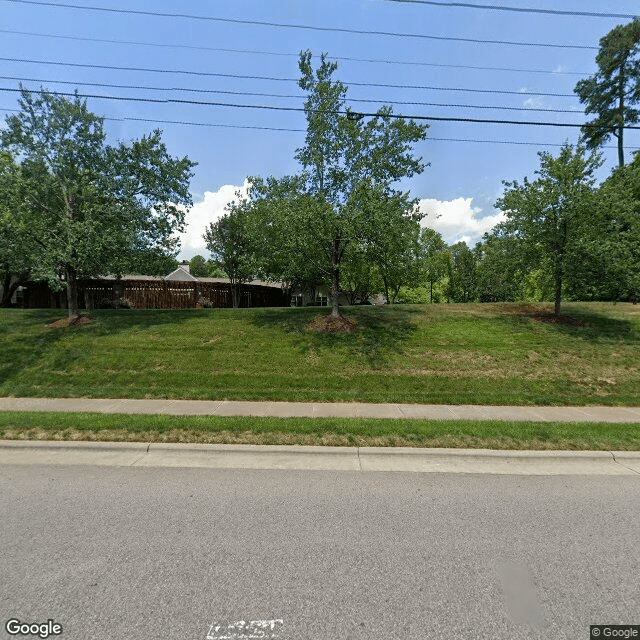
235,294
621,127
558,298
335,277
8,289
335,288
72,291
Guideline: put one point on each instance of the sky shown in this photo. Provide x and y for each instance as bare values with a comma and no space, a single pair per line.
425,60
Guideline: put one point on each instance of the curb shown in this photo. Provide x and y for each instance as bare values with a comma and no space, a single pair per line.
313,458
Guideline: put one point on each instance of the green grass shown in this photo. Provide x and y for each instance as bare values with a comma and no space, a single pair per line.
320,431
451,354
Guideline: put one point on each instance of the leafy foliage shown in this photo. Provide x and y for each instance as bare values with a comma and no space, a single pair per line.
228,240
90,207
341,205
548,215
614,89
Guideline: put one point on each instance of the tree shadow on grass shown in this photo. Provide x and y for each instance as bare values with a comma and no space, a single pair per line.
382,331
25,340
587,324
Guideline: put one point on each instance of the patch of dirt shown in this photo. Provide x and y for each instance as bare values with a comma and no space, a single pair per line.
73,321
332,324
567,321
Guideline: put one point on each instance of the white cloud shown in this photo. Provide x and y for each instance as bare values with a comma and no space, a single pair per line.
203,213
534,103
457,220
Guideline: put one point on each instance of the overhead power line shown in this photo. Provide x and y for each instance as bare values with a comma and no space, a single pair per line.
293,55
497,7
280,95
275,79
301,109
260,128
284,25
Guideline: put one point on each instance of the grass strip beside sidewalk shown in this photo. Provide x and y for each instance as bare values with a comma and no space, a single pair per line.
465,434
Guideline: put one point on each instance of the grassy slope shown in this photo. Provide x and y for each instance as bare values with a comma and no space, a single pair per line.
458,354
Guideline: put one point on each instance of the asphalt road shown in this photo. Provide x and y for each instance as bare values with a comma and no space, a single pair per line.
170,553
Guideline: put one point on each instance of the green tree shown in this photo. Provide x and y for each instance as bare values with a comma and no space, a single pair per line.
18,244
462,270
614,90
91,205
607,262
500,273
390,226
434,258
358,276
229,243
549,214
345,156
198,267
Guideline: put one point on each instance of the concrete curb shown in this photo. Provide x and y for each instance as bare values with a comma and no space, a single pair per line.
295,457
323,409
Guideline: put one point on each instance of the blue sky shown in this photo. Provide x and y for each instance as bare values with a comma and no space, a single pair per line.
463,179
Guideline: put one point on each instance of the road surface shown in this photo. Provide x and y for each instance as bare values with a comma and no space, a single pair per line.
130,553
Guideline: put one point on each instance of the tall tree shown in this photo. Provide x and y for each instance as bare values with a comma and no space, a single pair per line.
92,206
18,247
434,257
462,273
607,264
229,243
549,214
614,90
390,226
500,272
344,152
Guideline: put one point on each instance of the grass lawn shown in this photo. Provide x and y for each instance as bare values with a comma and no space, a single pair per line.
452,354
320,431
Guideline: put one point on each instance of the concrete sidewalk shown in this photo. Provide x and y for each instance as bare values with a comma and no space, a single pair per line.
324,410
358,459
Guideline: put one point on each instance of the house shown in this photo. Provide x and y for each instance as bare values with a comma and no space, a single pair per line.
177,290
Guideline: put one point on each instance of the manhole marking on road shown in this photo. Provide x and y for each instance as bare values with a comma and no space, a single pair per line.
245,630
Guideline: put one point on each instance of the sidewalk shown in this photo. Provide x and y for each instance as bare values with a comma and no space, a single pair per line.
324,410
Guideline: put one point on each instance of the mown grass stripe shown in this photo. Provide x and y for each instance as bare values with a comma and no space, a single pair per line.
321,431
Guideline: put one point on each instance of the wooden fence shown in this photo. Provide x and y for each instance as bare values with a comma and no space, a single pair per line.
154,294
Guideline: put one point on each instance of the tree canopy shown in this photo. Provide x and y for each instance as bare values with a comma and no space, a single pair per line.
547,214
89,207
614,90
316,219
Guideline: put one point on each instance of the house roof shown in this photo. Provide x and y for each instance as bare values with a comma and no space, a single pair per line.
190,278
180,274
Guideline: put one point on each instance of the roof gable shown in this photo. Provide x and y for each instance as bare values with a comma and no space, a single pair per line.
180,274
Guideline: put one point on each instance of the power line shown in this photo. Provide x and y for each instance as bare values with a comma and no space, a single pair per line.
296,55
283,25
497,7
301,109
274,79
260,128
280,95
